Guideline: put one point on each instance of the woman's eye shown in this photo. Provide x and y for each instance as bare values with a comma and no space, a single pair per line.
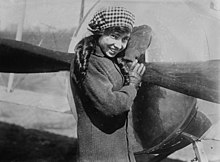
125,39
114,36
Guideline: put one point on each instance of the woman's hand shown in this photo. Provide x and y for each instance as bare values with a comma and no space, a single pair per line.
135,73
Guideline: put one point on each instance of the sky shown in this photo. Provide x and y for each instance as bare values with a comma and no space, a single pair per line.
42,13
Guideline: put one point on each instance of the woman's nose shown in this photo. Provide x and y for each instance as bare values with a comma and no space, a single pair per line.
118,44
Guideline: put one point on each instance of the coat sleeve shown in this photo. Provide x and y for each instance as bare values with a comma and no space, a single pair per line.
99,90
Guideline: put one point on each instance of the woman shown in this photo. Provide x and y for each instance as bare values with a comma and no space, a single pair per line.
104,87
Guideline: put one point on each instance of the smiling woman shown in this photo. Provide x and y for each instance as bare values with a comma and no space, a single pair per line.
104,88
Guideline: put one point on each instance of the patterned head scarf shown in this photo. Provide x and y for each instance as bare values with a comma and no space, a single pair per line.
110,17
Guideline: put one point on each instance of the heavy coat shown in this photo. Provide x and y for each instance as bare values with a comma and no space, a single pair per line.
102,107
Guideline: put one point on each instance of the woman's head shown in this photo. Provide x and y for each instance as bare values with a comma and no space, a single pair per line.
114,25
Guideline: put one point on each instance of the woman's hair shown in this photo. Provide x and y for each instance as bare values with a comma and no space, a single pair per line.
87,47
83,50
119,29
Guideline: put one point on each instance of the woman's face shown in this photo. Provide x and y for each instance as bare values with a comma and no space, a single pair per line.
113,43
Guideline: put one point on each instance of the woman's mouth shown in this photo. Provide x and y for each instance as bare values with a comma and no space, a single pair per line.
113,51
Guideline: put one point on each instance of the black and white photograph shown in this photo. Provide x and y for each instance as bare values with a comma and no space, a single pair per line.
109,80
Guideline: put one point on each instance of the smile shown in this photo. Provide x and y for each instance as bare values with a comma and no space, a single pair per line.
113,50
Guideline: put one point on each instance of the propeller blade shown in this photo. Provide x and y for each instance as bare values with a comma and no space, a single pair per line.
196,79
20,57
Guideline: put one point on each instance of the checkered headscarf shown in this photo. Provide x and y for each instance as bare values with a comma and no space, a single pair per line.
109,17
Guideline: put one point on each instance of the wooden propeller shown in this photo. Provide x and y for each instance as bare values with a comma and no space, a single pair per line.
196,79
